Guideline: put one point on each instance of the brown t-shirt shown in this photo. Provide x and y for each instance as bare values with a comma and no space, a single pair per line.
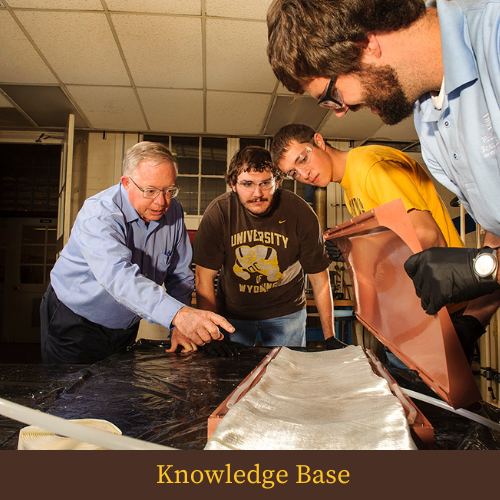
262,260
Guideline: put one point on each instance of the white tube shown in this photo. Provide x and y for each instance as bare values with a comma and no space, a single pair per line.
74,430
460,411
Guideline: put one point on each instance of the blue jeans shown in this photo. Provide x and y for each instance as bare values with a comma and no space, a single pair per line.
289,330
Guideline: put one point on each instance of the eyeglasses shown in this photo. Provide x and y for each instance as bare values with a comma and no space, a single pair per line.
252,186
151,193
302,161
331,98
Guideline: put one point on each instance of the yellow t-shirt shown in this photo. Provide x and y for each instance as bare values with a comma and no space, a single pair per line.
375,175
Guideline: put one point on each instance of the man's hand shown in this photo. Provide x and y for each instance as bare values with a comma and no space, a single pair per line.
177,339
200,327
445,275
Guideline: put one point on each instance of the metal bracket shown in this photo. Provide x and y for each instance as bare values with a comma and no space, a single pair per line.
490,374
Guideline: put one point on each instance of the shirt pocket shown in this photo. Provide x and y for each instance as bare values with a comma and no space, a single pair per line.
164,261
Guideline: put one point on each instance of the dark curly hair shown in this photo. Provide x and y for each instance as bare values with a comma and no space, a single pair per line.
326,38
252,158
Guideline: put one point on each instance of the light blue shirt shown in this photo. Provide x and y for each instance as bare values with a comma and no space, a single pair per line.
113,267
460,142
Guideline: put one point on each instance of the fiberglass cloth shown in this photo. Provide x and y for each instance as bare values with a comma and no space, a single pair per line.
326,400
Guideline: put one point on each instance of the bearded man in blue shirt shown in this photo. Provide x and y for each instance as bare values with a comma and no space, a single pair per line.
438,60
128,257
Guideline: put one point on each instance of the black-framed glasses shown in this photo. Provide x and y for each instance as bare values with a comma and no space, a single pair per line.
152,193
252,186
331,98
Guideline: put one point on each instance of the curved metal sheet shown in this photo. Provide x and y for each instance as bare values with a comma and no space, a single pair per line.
375,246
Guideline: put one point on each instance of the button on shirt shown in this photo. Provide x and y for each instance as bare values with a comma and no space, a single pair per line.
113,267
460,142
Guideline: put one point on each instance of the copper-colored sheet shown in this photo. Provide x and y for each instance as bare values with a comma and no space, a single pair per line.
375,246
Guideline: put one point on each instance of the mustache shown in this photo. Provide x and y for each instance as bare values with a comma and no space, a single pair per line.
259,198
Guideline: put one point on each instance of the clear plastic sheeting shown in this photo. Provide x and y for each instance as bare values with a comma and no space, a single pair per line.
316,401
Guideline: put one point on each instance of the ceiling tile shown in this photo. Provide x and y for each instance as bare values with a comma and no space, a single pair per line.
236,56
19,61
252,9
78,45
57,4
109,108
170,54
355,126
12,118
287,110
404,131
47,106
191,7
4,102
235,113
282,90
160,42
173,111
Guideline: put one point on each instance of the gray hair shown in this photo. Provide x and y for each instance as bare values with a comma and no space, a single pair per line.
155,152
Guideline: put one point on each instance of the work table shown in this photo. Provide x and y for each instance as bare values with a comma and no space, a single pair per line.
167,398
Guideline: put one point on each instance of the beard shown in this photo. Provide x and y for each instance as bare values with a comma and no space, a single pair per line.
383,92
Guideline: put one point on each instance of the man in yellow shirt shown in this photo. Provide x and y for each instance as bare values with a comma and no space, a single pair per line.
372,176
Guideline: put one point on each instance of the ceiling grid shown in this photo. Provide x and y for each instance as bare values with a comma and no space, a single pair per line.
196,67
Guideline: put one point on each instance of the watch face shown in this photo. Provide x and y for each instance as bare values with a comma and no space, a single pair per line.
484,265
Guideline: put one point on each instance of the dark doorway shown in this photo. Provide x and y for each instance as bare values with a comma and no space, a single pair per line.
29,185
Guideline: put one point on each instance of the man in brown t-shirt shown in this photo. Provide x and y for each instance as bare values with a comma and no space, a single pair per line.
262,240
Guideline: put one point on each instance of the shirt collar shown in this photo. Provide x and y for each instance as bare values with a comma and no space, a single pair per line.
458,57
129,211
455,46
439,98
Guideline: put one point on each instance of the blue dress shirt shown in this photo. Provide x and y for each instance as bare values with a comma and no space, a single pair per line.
460,142
113,267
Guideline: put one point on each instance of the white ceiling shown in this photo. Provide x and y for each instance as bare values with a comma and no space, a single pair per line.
155,66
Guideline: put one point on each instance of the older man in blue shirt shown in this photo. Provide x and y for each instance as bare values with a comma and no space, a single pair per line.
128,257
439,60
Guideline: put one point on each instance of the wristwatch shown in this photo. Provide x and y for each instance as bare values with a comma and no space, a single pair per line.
486,264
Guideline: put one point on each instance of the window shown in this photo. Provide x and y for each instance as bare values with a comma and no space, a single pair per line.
214,163
249,141
29,179
38,250
203,162
297,187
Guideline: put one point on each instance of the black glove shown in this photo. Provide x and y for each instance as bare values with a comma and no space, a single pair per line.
469,329
334,343
221,348
445,275
333,251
